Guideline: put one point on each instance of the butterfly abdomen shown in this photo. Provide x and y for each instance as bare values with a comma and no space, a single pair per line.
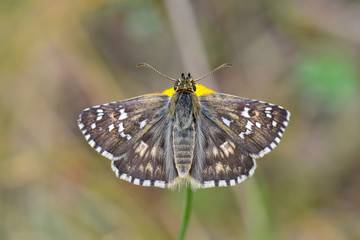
183,133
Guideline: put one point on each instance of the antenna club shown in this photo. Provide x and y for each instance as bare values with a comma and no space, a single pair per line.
142,65
154,69
225,65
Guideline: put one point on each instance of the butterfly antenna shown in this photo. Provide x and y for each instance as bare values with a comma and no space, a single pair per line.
154,69
225,65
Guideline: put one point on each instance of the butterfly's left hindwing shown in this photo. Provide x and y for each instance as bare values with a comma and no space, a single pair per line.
144,164
219,161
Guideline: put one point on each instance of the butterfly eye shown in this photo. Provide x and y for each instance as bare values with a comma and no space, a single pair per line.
175,86
194,87
189,75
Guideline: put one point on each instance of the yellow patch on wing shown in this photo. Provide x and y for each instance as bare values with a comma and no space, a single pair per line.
200,90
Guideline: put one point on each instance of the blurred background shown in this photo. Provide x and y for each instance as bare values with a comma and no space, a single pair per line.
59,57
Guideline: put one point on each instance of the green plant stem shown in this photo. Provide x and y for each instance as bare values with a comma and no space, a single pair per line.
187,213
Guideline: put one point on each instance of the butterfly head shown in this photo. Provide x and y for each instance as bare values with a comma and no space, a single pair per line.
185,83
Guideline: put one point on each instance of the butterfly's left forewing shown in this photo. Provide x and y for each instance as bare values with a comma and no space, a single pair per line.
256,126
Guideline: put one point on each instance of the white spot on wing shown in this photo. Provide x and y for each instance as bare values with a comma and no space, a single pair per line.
107,155
252,170
242,135
123,114
241,178
245,113
111,127
114,168
227,122
288,115
222,183
143,123
158,183
274,123
128,137
209,184
92,143
261,153
249,125
137,181
146,183
93,125
121,127
258,124
125,177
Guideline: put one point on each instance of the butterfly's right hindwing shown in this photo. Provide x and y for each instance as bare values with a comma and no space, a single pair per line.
149,161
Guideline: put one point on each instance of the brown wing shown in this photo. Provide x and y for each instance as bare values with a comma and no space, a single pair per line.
131,133
113,128
256,126
231,133
219,161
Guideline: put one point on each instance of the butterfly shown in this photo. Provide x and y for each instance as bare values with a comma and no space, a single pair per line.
189,133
